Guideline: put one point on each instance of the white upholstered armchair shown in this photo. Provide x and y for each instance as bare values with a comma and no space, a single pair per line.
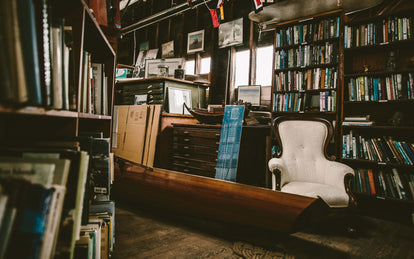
302,166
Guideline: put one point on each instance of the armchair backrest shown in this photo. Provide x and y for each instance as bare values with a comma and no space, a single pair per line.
303,143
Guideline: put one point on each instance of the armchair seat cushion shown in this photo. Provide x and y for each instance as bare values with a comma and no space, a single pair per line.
334,196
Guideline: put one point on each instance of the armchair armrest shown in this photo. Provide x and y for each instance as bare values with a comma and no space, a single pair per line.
337,174
277,167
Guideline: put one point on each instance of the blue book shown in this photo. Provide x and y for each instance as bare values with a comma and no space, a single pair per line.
30,225
27,27
228,155
407,160
408,151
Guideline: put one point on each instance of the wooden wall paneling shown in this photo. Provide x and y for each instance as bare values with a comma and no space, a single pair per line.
163,30
178,34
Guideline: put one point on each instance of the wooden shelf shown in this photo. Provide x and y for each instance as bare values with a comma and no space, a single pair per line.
379,127
94,116
385,198
37,111
371,163
379,73
307,67
306,91
317,42
380,101
381,46
305,112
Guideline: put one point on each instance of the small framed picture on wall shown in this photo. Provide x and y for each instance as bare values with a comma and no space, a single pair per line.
195,41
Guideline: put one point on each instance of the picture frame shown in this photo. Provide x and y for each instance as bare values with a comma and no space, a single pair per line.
195,41
231,33
143,55
249,94
176,99
167,49
152,70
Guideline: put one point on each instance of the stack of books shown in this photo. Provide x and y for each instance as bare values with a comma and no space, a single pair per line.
357,121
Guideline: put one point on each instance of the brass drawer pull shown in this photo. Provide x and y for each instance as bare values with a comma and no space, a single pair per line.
186,139
186,147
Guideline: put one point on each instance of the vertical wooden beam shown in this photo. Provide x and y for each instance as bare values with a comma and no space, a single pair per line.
157,31
252,47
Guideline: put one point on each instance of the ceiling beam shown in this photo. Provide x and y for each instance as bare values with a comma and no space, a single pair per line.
163,15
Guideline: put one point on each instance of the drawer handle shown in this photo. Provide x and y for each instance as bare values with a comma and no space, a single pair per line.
217,151
186,170
217,143
187,155
186,132
186,163
186,139
186,147
217,134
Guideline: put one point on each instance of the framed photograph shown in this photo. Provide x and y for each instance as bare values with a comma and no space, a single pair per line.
140,62
167,50
144,45
176,99
249,94
231,33
195,41
152,69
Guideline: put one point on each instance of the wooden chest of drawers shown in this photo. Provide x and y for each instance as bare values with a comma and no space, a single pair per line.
194,150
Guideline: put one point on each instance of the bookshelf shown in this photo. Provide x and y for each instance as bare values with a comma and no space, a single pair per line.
378,89
308,68
46,114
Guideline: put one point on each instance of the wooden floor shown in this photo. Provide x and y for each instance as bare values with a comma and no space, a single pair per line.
149,233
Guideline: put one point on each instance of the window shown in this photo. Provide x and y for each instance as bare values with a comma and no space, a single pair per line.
241,68
189,67
205,65
264,61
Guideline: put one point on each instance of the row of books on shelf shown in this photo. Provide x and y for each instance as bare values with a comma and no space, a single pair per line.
94,87
393,87
306,55
300,102
311,79
382,149
387,30
384,183
357,121
48,191
35,56
308,31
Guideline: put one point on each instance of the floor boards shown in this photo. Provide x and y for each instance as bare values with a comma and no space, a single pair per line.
147,233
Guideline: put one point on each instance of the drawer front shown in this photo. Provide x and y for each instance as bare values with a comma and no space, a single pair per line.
190,148
185,132
190,140
205,165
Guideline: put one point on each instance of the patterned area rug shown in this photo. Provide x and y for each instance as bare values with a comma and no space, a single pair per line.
249,251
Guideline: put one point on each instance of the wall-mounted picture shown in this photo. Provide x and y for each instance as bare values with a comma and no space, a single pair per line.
176,99
162,67
195,41
167,49
231,33
140,63
144,45
249,94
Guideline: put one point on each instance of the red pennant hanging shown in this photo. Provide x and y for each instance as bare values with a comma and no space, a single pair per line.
214,18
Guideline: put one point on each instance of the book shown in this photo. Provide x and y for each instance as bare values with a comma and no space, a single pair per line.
108,208
398,184
57,65
36,173
27,239
28,36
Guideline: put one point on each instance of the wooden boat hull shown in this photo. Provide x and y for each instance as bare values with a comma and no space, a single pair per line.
294,9
216,199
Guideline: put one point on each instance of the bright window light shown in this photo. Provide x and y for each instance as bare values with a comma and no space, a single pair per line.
242,61
205,65
264,61
189,67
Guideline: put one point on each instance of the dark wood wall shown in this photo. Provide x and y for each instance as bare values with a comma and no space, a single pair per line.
177,27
